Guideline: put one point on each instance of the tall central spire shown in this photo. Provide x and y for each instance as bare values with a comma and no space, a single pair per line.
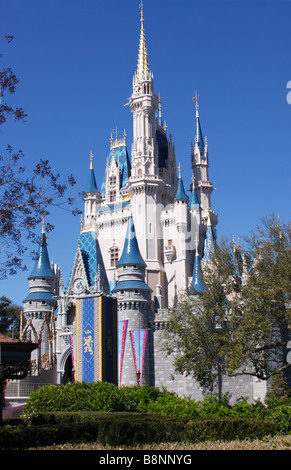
143,70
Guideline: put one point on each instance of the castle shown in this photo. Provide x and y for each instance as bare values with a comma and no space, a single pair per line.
143,240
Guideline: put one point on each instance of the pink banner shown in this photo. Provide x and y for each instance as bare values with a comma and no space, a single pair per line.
138,343
122,329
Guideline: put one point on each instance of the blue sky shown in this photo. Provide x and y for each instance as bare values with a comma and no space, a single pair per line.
75,60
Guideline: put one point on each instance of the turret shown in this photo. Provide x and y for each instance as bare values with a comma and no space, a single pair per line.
181,205
200,165
143,104
91,197
39,305
134,303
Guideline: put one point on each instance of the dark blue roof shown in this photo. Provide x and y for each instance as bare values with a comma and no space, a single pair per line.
197,285
129,285
131,253
40,296
194,199
91,185
180,194
92,258
199,137
121,155
42,267
163,149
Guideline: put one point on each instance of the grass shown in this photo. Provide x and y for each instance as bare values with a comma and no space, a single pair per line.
268,443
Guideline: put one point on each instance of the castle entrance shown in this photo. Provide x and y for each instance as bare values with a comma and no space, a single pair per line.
68,373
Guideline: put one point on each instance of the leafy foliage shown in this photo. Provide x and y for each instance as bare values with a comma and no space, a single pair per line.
100,397
240,324
9,317
24,196
82,412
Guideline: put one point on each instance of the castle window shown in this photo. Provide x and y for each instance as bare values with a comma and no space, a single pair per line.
112,196
112,181
113,256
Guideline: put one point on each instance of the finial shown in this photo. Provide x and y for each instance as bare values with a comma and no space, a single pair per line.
196,245
195,99
209,219
179,167
142,66
91,160
141,12
193,181
42,223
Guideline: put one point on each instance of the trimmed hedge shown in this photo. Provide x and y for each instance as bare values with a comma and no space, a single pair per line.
127,429
94,396
115,416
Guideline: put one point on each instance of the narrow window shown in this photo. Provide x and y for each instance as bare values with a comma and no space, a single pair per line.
113,256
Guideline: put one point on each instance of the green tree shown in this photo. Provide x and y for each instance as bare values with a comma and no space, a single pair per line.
240,323
9,317
24,196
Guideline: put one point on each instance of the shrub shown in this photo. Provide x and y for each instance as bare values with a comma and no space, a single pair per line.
78,396
228,428
127,429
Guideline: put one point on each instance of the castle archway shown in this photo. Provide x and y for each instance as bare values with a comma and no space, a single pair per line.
66,367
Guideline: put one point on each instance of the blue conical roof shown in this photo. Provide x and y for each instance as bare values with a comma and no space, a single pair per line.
194,199
197,285
208,242
42,267
91,185
131,253
180,194
199,137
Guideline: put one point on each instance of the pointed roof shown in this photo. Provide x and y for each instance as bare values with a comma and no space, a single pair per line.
42,267
91,185
180,194
199,137
143,70
131,253
197,285
209,241
194,198
118,150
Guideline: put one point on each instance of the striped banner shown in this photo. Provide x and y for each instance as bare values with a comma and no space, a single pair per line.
96,353
122,330
138,343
